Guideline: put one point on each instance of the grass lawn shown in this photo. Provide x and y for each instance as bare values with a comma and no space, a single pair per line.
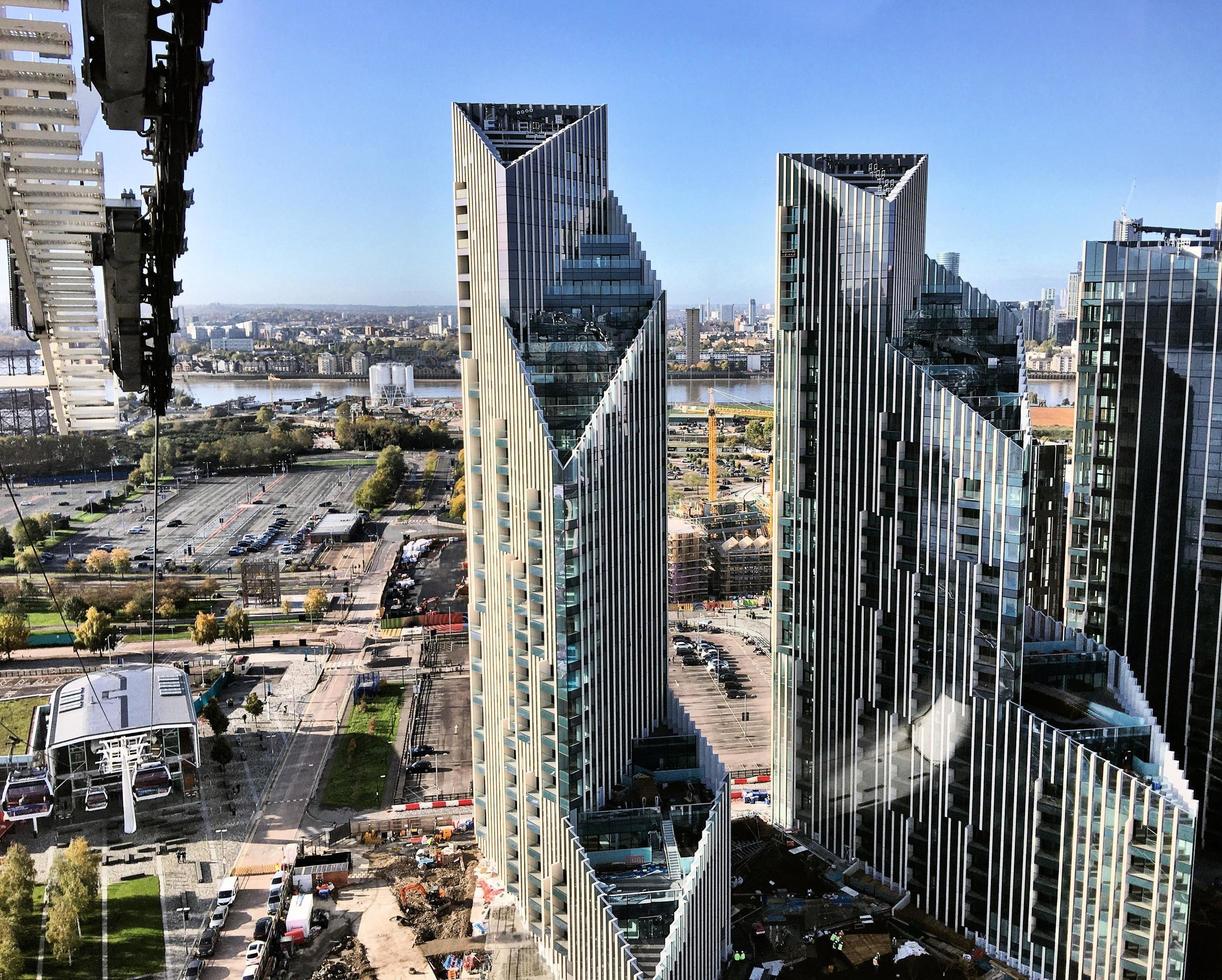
84,517
29,935
15,715
354,778
50,618
137,943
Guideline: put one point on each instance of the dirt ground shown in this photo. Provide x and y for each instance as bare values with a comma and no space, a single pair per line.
391,947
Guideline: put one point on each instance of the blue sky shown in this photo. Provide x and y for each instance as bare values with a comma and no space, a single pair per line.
326,169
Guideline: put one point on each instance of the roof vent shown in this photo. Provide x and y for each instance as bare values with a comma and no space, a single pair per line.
72,700
170,686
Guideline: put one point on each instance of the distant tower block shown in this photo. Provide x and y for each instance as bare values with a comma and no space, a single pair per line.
391,385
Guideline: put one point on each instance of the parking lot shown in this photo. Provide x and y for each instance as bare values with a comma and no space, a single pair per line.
443,720
63,498
210,514
736,727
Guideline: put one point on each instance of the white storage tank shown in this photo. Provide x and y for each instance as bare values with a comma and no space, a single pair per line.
380,376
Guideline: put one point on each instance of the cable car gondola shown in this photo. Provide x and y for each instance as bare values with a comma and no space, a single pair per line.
28,795
152,781
96,799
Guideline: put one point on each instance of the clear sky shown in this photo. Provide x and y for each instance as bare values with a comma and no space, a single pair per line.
325,173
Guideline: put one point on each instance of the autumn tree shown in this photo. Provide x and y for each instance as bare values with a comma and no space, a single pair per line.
16,884
98,562
315,603
26,561
204,630
237,623
121,560
167,607
12,963
93,631
14,632
62,930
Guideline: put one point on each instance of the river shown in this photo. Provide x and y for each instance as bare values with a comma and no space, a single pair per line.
213,391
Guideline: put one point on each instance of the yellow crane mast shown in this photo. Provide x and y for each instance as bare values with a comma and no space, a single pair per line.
712,448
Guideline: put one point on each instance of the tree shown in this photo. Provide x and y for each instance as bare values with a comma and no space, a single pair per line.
6,543
99,562
265,415
315,603
62,925
208,587
93,632
14,632
16,885
204,631
237,624
253,706
286,606
343,425
216,718
74,566
458,507
222,752
167,607
27,531
12,963
73,608
26,561
121,560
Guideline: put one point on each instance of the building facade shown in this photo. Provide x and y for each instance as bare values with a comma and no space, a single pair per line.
1145,536
691,337
561,324
927,721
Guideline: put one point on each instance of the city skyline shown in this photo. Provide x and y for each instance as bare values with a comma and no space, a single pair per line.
253,241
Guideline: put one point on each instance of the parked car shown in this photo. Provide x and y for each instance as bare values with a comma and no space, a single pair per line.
419,750
263,927
254,951
227,891
237,549
420,765
207,943
174,523
193,968
251,972
217,919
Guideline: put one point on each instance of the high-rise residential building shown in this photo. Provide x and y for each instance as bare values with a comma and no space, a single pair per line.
691,336
949,261
1145,536
929,719
726,315
1073,292
751,315
563,351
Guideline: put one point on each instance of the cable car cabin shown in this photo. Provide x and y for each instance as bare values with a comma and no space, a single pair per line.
152,781
28,796
96,799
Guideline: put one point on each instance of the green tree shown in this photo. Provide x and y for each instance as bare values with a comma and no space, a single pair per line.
14,632
26,561
216,718
26,532
315,603
343,425
237,624
253,706
204,630
16,885
11,961
99,562
93,632
121,560
6,543
265,415
82,862
73,608
390,459
222,751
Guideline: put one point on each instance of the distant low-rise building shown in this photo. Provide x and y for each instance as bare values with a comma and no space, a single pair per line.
328,363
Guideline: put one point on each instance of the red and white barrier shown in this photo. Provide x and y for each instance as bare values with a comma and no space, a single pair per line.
431,805
744,780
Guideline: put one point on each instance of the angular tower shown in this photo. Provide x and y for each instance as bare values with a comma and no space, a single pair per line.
578,752
930,720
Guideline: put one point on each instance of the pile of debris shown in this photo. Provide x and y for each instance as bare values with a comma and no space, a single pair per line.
346,960
436,900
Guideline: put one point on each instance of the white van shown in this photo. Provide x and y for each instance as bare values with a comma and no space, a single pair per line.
227,891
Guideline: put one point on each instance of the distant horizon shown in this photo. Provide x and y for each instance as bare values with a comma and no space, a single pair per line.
306,191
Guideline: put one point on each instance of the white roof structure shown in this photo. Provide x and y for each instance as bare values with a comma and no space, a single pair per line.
336,526
128,700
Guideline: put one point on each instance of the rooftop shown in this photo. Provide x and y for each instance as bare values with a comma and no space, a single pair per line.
336,525
118,700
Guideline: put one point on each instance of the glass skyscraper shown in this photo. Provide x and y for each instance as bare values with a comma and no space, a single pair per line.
930,719
1145,547
583,764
